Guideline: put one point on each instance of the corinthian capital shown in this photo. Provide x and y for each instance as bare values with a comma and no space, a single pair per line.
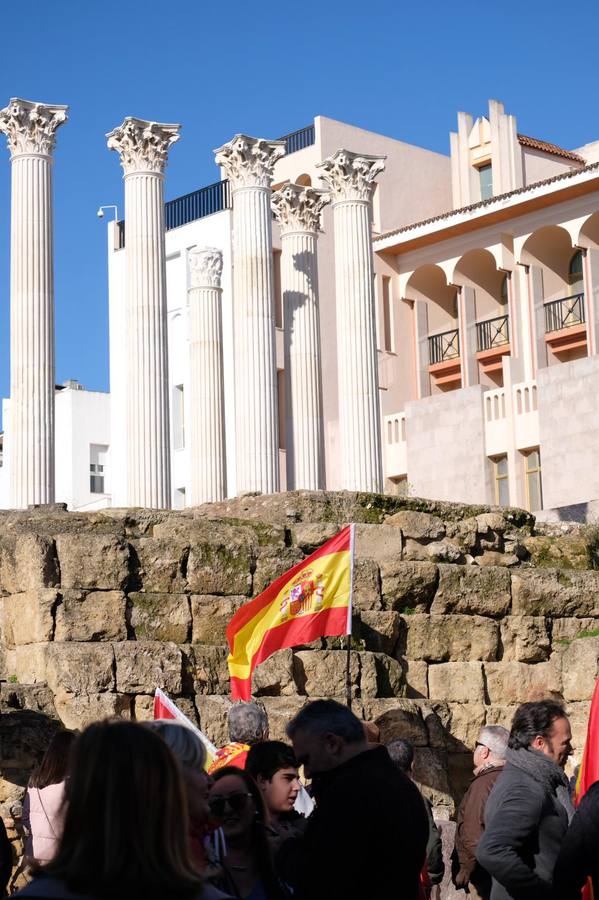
298,208
31,127
248,161
350,176
205,267
143,146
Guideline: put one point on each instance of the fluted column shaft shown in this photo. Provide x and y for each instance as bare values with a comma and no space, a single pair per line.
207,432
30,129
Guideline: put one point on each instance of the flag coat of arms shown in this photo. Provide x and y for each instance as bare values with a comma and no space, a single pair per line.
311,600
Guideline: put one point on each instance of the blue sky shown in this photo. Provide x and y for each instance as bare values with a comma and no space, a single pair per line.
265,68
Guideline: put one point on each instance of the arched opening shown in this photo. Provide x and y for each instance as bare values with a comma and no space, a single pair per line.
304,180
436,307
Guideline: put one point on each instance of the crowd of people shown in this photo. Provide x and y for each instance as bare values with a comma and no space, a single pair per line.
129,810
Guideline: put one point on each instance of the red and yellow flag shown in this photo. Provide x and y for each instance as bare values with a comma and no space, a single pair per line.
588,773
311,600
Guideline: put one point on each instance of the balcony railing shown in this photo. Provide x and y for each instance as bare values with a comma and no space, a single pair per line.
493,333
564,313
442,347
208,200
297,140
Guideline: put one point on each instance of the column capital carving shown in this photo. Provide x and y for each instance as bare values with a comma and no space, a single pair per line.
299,208
30,127
249,161
350,176
143,146
205,267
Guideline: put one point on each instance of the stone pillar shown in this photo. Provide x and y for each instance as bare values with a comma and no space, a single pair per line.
30,129
248,164
350,178
143,149
536,301
207,433
467,328
298,211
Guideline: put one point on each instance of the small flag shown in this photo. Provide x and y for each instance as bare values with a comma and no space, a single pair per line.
311,600
164,708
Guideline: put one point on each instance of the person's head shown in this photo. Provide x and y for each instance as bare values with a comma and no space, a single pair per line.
54,764
248,723
325,734
402,754
542,725
125,825
274,767
490,747
191,755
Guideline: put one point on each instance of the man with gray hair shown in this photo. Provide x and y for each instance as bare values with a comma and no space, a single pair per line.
489,758
248,724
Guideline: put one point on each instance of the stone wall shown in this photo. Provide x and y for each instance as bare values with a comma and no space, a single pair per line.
460,613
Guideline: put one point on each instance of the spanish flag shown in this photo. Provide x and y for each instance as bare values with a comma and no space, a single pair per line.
588,773
311,600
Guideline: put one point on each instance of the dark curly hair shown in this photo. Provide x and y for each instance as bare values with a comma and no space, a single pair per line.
532,719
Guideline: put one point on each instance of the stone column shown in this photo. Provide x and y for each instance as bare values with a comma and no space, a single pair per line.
30,129
143,149
207,403
350,178
298,210
248,164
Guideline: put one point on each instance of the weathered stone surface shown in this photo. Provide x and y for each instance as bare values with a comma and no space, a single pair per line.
274,677
159,617
210,616
77,711
27,562
444,638
525,639
106,561
213,711
566,551
321,673
431,775
143,666
538,592
28,618
415,678
580,667
462,723
578,714
565,630
367,585
495,558
471,590
159,564
270,566
445,552
491,521
398,719
378,542
26,663
418,525
379,629
500,715
408,585
207,667
80,667
281,710
518,682
93,616
380,676
457,682
309,536
221,559
35,698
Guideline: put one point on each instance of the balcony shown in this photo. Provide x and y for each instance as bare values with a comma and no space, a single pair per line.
492,343
565,329
299,140
205,202
444,359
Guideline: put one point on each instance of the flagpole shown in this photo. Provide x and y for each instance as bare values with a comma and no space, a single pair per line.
352,544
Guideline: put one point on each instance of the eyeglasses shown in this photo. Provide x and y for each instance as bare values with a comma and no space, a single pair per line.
235,802
478,744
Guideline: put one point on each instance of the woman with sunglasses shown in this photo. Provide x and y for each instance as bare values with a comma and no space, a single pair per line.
235,801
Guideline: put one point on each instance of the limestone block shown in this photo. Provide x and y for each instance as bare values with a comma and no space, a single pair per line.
525,639
106,557
457,682
408,585
431,776
580,667
27,663
415,678
462,723
491,521
378,542
495,558
417,525
309,536
565,551
213,710
143,666
28,618
380,676
500,715
465,532
159,617
221,559
566,630
36,698
93,616
159,564
274,677
445,552
272,565
468,589
578,714
142,708
280,711
208,668
416,551
379,629
77,711
398,719
449,638
27,562
538,592
518,682
80,667
210,616
321,673
367,585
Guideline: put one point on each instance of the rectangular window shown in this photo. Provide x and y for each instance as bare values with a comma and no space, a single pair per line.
387,316
485,174
502,484
276,259
97,468
532,471
178,414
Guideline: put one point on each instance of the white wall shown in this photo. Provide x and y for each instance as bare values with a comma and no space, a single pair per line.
82,419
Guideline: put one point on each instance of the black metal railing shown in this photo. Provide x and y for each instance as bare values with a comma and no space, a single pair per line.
120,234
297,140
443,346
493,333
564,313
208,200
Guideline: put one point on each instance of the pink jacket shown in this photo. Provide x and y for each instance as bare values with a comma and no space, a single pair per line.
42,817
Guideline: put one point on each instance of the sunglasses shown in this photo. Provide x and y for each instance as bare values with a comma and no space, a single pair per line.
235,802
